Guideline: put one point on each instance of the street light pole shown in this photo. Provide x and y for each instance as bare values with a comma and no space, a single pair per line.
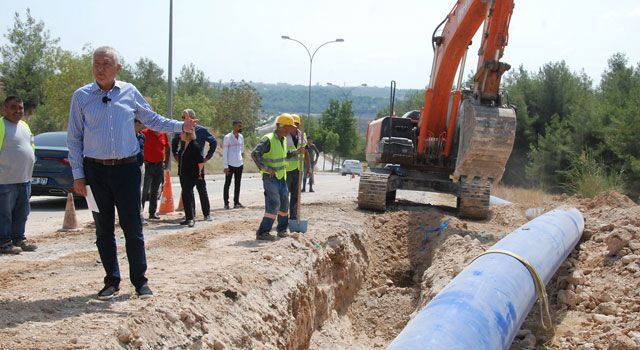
311,56
170,70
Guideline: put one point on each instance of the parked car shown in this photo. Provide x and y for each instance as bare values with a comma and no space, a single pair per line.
351,166
52,172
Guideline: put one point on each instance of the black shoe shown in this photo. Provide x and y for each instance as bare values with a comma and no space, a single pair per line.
25,245
303,190
208,218
184,222
238,206
311,190
265,237
108,292
9,248
144,292
154,217
226,206
191,223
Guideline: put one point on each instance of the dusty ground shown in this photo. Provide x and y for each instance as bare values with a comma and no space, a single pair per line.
351,282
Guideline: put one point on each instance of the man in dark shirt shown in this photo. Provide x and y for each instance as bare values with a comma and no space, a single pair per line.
313,152
202,136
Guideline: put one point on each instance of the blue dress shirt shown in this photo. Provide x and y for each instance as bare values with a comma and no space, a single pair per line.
101,123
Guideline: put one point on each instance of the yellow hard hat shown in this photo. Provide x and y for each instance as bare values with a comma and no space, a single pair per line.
285,119
296,118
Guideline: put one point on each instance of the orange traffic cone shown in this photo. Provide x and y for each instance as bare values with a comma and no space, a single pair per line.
180,205
166,202
353,175
70,222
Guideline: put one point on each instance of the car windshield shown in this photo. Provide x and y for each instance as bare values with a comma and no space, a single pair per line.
51,139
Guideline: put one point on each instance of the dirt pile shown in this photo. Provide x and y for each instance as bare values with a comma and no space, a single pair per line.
595,294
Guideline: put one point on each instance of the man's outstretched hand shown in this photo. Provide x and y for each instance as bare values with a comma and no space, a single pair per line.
189,123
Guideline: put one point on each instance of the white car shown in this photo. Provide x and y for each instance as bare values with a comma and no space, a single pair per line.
351,166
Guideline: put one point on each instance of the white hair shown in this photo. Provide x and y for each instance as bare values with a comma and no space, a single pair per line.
107,50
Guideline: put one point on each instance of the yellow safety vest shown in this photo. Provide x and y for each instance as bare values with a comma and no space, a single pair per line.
294,162
2,131
276,157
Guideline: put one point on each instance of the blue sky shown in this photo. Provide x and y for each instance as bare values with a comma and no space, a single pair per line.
384,40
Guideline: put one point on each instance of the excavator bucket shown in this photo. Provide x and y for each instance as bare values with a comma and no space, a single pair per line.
486,139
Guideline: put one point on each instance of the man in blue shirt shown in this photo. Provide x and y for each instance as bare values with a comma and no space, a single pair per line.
202,136
102,152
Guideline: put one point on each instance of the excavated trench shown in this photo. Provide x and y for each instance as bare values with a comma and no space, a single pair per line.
355,288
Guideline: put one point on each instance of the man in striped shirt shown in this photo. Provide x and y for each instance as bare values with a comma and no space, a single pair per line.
102,152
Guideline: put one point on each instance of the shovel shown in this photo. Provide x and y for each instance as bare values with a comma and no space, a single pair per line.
299,225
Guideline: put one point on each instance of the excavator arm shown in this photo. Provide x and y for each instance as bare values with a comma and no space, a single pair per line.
460,26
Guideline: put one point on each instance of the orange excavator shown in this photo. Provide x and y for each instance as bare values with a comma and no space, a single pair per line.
459,142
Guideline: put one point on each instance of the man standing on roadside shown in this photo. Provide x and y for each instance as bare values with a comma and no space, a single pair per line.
270,155
313,153
232,149
202,136
296,140
102,152
156,160
16,167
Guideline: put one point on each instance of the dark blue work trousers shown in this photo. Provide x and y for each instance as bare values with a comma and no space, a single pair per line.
119,186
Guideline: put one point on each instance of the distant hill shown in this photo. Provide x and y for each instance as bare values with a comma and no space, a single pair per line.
282,97
278,98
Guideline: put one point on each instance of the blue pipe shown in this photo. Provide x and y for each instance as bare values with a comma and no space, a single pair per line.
485,305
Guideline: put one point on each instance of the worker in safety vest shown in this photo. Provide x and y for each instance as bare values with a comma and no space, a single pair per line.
296,140
270,155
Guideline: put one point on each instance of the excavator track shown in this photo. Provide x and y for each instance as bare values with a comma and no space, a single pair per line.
473,197
373,191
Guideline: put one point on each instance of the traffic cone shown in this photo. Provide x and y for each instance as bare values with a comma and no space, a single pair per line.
166,202
353,175
180,205
70,222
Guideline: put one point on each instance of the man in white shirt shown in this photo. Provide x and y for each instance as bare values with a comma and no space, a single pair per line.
232,149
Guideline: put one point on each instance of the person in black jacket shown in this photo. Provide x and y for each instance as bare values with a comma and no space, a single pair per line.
191,164
202,136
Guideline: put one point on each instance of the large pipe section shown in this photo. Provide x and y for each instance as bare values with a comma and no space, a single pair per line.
485,305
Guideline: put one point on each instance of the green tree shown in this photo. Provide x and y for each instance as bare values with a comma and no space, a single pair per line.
147,77
191,81
27,61
620,103
413,100
237,101
71,73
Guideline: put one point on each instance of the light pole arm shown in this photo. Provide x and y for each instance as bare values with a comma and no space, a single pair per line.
328,42
311,56
303,45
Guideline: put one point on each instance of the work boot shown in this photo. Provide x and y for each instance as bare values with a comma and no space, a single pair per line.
9,248
25,246
283,234
265,237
